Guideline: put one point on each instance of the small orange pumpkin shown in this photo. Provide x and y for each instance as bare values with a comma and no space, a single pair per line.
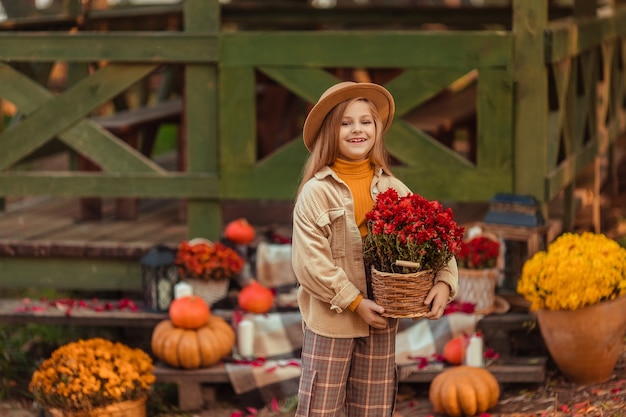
239,231
189,312
454,350
191,349
256,298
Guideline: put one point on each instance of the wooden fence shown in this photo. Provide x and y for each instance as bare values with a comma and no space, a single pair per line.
550,97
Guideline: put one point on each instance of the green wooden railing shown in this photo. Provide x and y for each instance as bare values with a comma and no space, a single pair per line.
538,124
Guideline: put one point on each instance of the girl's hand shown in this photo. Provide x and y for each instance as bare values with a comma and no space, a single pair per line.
371,313
438,299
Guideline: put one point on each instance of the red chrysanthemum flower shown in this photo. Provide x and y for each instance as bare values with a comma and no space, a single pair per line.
208,261
410,228
478,253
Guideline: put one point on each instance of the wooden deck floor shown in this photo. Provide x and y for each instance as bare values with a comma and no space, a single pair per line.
56,220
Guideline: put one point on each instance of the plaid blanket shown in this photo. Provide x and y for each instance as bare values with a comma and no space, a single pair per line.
278,344
273,266
275,373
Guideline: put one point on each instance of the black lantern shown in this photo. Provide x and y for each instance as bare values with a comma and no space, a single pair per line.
159,275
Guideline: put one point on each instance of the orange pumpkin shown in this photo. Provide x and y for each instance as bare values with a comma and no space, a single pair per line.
239,231
256,298
454,350
464,391
191,349
189,312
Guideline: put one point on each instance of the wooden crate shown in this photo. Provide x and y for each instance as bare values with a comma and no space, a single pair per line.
521,244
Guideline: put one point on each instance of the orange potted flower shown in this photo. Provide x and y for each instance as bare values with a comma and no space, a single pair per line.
94,377
208,267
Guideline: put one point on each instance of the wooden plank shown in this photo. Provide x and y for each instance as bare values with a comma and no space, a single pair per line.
42,225
406,15
416,85
31,221
570,37
113,230
129,47
11,312
84,137
238,140
87,274
307,82
529,22
444,112
67,109
517,370
559,120
567,170
415,148
495,113
144,231
189,381
293,15
201,127
32,226
470,185
510,370
64,250
260,182
373,49
134,119
103,184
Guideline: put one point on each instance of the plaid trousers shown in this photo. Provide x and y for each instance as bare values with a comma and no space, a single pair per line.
354,377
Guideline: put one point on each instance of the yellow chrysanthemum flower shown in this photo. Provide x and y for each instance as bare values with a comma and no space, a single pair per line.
92,373
576,271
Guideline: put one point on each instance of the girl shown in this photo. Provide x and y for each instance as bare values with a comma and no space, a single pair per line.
348,353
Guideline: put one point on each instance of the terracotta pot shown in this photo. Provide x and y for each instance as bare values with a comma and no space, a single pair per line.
585,343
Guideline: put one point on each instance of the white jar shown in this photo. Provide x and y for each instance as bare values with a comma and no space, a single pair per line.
182,289
474,351
245,339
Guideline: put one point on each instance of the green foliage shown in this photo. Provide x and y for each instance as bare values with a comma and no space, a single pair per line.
22,348
161,400
166,139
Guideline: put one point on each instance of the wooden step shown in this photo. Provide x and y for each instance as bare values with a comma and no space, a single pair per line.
195,386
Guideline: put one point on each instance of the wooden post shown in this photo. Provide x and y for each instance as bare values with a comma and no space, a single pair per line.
200,120
588,8
90,208
530,18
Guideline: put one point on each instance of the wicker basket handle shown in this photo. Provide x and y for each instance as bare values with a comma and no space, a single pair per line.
407,264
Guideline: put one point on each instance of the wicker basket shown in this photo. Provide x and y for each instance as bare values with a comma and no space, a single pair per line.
402,295
477,286
133,408
210,291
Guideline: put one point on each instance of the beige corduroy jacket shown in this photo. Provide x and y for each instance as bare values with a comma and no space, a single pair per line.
327,254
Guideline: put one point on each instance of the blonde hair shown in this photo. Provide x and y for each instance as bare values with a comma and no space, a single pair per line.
326,147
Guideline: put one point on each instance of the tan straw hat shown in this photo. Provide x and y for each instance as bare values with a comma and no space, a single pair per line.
375,93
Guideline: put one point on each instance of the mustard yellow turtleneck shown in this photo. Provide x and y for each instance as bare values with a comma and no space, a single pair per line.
358,176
